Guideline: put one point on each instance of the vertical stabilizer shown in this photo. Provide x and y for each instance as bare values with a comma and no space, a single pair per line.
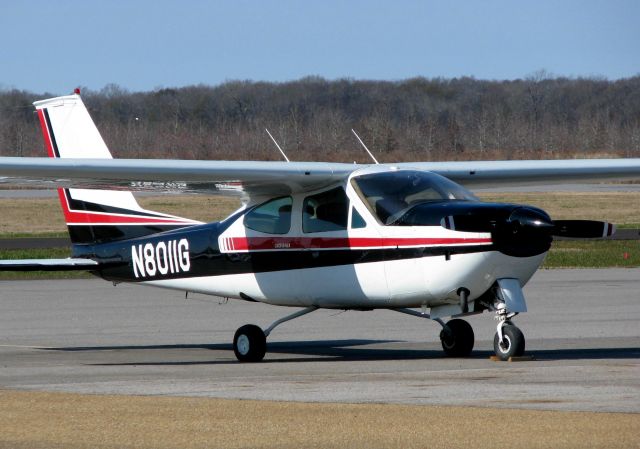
94,215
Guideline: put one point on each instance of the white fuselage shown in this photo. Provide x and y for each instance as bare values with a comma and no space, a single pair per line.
422,266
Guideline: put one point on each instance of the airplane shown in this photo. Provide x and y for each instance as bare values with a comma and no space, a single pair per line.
402,237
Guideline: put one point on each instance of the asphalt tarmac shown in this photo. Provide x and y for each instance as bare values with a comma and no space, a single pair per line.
87,336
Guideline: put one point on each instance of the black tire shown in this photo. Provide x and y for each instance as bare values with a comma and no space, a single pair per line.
249,343
457,339
513,345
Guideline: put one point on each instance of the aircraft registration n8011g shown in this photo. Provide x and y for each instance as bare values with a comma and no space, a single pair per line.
314,235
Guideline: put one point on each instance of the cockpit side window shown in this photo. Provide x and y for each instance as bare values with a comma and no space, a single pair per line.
326,211
272,217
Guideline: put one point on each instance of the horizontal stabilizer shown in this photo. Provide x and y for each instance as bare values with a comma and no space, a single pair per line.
49,265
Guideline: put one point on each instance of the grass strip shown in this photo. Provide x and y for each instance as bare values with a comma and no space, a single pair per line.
74,421
621,208
593,254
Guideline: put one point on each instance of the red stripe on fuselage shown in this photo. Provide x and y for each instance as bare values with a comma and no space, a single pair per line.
285,243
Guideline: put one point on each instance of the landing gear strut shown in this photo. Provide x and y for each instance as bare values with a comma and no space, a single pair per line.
250,341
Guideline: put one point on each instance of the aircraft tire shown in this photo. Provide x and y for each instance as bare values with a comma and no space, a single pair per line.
458,342
514,343
249,343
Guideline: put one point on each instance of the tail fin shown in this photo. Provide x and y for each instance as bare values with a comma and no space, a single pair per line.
94,216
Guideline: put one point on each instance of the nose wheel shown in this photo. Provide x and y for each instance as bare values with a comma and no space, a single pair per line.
509,340
511,344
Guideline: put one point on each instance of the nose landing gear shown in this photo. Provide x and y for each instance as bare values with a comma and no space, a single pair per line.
509,340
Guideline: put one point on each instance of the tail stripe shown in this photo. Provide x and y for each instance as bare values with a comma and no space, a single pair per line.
87,206
84,217
47,134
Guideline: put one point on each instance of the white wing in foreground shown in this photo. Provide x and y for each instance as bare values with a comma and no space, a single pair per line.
278,178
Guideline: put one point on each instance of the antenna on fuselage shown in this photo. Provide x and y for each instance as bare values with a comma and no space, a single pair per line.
364,146
277,146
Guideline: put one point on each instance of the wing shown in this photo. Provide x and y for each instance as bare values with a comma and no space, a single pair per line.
256,178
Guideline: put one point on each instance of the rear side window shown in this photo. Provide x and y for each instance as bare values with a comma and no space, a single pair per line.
273,217
326,211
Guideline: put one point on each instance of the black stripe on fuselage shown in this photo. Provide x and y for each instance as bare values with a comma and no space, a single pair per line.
206,259
96,234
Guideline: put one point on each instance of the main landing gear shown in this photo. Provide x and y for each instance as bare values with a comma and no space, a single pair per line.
250,341
457,338
457,335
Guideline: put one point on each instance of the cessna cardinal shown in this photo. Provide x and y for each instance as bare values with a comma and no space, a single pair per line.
310,235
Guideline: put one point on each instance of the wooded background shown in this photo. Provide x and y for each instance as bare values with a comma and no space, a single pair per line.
411,120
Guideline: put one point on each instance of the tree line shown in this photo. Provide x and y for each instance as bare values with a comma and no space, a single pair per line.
416,119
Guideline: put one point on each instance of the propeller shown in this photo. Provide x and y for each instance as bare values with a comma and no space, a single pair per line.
528,221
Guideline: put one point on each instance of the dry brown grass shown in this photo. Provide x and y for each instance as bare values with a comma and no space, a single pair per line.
615,207
197,207
34,215
44,215
70,421
41,215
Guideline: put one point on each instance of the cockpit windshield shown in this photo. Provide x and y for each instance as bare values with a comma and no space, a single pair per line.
390,195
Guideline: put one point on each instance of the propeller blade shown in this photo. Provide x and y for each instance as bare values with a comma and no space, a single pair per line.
583,229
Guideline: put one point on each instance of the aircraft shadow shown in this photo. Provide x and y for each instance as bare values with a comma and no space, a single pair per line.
311,351
585,354
347,350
